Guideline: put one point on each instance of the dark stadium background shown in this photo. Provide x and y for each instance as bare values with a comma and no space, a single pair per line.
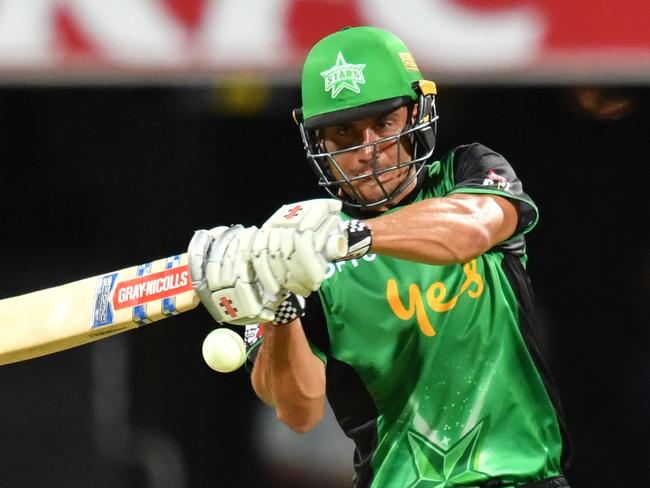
95,179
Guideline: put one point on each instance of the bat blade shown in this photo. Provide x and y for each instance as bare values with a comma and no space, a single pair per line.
66,316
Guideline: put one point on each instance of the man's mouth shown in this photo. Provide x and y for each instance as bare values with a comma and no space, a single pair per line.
368,176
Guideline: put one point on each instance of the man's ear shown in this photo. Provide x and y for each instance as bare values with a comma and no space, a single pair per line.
414,113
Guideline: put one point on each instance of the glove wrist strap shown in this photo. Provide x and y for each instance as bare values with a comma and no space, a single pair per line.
289,310
359,238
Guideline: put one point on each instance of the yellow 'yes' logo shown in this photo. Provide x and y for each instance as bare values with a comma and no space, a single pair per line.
435,297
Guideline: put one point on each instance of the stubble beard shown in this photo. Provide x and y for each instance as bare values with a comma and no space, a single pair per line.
370,191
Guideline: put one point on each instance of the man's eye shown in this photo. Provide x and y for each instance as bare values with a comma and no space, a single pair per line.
384,124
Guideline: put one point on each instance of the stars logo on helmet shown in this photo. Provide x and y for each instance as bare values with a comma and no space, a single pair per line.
343,75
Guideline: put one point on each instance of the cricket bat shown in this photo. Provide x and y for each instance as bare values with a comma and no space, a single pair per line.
87,310
66,316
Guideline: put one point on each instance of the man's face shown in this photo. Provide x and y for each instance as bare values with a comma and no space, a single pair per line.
371,157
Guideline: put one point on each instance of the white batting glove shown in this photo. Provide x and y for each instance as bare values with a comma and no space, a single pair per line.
245,275
224,278
294,246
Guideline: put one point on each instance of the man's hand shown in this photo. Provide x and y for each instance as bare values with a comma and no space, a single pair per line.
242,275
296,244
224,278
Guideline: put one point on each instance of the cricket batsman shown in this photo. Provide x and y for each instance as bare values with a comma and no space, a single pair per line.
423,339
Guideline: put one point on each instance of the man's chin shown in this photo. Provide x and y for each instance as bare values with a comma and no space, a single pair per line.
370,195
373,196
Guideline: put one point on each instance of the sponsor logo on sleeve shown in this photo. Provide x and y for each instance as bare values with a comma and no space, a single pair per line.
493,179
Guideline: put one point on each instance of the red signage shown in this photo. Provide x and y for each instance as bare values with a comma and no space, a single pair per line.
462,37
152,287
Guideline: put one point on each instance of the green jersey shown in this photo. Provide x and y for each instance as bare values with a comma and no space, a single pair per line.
429,368
432,370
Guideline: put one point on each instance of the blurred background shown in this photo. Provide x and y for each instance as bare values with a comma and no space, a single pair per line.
125,125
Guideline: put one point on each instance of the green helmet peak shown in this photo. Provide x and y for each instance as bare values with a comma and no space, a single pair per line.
356,72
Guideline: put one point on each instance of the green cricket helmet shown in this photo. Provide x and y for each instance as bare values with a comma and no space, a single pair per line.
361,72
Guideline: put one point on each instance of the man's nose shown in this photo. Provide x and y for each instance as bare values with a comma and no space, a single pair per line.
366,151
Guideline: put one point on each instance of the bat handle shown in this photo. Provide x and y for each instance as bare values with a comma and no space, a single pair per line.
336,247
352,242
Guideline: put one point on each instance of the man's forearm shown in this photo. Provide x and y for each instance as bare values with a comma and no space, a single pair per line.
444,230
289,377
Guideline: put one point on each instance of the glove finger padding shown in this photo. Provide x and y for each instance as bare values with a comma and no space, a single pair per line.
323,236
310,214
280,248
306,267
241,256
224,279
201,247
216,269
196,252
303,231
261,261
284,268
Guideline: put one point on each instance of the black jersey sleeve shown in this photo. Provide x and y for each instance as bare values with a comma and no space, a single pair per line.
479,169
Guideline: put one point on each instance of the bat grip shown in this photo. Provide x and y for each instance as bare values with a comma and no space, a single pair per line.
336,247
353,242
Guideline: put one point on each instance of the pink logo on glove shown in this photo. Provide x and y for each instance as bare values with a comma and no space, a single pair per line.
227,304
293,212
